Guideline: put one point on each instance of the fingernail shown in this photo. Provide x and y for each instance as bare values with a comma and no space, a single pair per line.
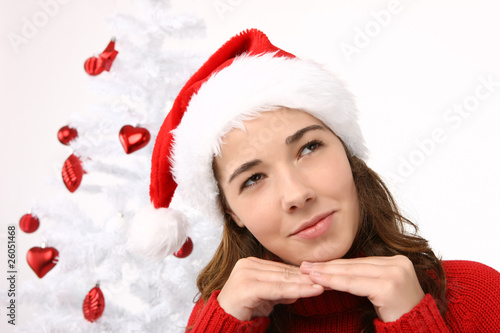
306,264
315,273
317,286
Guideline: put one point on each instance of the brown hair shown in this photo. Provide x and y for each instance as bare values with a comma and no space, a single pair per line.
383,232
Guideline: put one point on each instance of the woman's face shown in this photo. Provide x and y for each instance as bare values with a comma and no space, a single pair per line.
288,180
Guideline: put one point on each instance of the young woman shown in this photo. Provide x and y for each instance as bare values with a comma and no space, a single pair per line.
269,145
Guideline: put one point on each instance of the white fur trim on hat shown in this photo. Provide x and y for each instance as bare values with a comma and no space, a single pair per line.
252,84
157,233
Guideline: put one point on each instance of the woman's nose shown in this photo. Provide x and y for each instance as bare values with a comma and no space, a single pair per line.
295,191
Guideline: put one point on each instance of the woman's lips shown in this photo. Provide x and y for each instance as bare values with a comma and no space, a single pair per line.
315,228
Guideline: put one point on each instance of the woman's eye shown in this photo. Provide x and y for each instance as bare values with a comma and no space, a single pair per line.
309,147
252,180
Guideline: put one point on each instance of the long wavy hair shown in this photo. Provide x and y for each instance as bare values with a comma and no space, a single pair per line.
383,231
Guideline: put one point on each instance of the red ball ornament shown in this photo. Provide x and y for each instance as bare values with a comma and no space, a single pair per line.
96,65
93,66
42,259
93,304
66,134
185,250
133,138
29,223
72,173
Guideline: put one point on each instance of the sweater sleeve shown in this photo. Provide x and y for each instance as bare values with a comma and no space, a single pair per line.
210,317
473,293
474,297
424,317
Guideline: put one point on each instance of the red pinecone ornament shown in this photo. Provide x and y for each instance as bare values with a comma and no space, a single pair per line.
93,304
72,173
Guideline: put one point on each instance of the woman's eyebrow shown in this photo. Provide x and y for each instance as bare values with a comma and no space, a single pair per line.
244,167
289,140
297,135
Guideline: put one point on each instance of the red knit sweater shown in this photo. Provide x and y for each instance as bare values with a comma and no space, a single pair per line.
473,292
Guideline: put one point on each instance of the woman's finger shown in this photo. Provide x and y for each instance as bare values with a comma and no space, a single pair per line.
360,269
398,267
272,265
356,285
257,271
378,260
281,292
283,276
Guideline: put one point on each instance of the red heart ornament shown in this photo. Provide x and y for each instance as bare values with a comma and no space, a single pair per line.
66,134
42,260
93,304
185,250
29,223
133,138
72,173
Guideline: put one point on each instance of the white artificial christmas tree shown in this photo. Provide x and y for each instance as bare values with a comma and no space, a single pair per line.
89,227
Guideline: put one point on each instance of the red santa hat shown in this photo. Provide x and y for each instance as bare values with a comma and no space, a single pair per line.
244,77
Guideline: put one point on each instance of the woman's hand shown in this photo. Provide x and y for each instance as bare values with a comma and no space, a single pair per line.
390,283
255,286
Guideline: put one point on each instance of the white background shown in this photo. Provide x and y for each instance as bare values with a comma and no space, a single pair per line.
414,61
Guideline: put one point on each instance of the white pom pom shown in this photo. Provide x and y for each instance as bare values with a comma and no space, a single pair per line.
157,233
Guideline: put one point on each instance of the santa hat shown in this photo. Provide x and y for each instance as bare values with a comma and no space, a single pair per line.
244,77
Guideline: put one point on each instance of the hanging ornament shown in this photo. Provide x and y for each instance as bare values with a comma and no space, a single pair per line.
185,250
133,138
29,223
93,304
42,259
66,134
72,173
96,65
